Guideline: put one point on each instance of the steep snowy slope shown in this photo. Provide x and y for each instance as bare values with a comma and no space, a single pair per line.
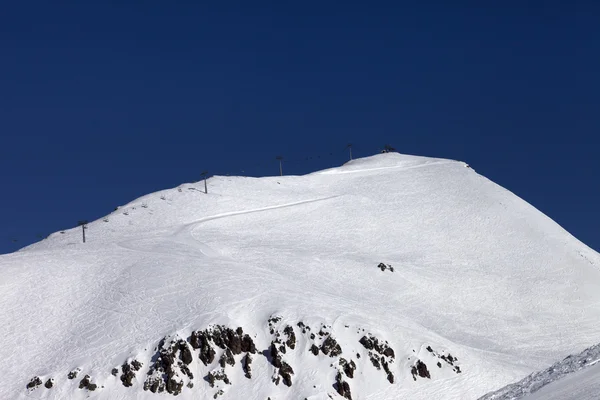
574,378
484,290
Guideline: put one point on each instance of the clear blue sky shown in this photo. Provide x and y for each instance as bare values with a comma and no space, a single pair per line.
101,102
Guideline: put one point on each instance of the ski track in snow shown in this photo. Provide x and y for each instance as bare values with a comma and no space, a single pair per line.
182,234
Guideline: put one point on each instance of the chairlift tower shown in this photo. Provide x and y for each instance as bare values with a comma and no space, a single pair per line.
204,173
280,158
83,225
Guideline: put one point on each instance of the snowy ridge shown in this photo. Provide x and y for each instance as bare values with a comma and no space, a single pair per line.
555,373
273,287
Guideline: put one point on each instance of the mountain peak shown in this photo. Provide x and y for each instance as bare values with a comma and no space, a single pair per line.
390,276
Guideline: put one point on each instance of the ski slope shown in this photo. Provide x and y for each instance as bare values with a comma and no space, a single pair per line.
483,284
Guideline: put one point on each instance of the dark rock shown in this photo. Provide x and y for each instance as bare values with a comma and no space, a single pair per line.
247,345
366,342
246,361
218,393
314,349
457,369
34,382
421,370
174,387
239,331
275,357
386,368
185,355
342,387
375,361
217,376
286,373
73,374
331,347
200,340
312,336
348,367
91,387
127,375
429,349
85,382
388,352
136,365
227,358
291,341
49,384
439,364
114,372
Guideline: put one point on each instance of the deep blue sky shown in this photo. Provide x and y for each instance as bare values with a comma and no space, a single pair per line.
102,102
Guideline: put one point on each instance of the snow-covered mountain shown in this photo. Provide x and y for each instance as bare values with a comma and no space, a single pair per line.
390,277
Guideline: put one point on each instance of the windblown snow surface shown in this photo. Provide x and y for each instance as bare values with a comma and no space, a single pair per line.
271,288
577,377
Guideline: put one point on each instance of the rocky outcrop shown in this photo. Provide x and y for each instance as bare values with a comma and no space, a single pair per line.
220,348
448,359
86,383
348,367
420,369
342,387
169,370
73,374
331,347
35,382
129,369
384,267
380,354
246,362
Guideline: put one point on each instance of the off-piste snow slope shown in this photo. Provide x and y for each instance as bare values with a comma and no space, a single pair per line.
577,377
271,288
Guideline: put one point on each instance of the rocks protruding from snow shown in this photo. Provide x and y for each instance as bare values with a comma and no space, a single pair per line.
169,371
219,375
170,367
420,369
246,361
200,340
291,340
448,358
342,387
225,338
227,358
73,374
34,382
86,383
303,327
331,347
283,371
314,349
380,354
129,369
384,267
348,367
49,383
